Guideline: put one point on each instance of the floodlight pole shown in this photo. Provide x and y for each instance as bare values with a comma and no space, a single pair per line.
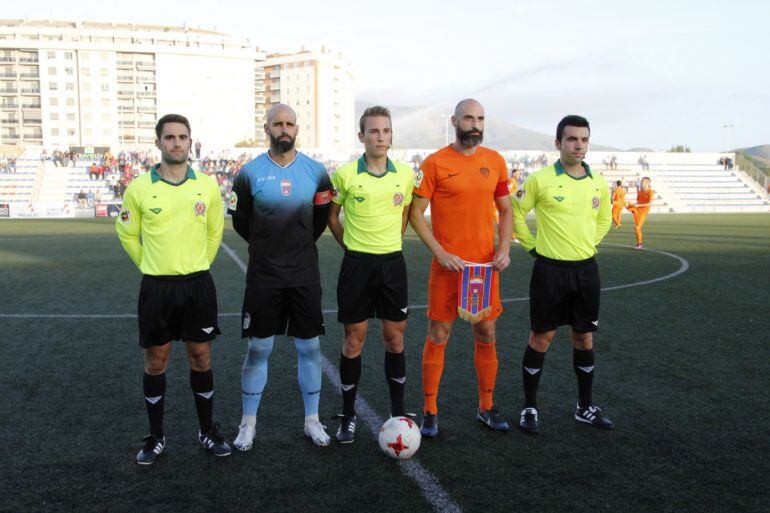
729,132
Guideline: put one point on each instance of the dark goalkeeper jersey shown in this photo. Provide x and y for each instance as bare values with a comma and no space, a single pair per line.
279,203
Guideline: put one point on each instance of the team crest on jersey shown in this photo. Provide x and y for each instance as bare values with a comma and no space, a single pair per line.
484,171
398,198
520,194
335,192
285,187
232,202
595,202
418,178
199,208
125,217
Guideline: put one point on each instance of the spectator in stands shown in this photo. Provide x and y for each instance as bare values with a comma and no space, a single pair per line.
90,198
82,200
614,162
12,164
198,149
58,158
93,171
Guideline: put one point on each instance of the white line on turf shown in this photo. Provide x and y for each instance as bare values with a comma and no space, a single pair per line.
684,266
427,483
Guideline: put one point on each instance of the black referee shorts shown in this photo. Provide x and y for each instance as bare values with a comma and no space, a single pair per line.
177,308
295,311
372,286
564,293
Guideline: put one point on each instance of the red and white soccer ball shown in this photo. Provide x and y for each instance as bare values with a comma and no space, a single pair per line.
400,438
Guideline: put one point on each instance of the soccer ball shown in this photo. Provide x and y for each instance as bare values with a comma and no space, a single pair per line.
400,438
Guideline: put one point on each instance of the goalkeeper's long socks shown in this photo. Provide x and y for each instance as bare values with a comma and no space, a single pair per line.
254,376
309,372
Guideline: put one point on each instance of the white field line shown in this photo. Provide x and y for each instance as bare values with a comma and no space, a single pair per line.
428,483
684,266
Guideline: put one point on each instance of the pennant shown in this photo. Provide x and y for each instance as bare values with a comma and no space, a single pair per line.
474,292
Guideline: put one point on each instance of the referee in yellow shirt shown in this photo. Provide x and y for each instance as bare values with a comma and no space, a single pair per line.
170,224
572,210
375,193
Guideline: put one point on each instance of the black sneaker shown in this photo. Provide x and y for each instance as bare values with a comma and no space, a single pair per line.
213,442
593,415
491,418
346,433
528,422
429,427
153,447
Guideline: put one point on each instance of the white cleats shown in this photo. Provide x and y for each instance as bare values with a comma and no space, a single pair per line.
317,433
245,439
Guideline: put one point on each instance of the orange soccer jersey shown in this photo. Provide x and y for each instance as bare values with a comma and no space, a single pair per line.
618,200
640,213
459,188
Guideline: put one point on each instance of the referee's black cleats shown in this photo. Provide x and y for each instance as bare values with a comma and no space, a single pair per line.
346,433
529,422
213,442
429,426
593,416
153,447
491,418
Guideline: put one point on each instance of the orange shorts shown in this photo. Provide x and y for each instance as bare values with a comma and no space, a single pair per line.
442,295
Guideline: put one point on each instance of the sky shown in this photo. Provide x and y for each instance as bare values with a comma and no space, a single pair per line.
649,74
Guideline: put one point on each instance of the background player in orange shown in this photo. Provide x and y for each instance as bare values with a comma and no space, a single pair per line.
458,182
641,208
618,200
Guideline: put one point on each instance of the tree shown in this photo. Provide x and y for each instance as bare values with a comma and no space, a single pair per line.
679,149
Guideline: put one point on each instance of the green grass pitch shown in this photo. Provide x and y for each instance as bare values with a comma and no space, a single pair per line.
683,367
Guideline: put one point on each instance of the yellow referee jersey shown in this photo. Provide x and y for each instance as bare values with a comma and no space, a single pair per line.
573,214
171,229
373,205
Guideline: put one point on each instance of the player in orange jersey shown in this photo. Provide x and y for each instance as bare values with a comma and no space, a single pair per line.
641,208
456,181
618,200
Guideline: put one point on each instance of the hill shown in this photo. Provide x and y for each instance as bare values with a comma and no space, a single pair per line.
426,127
762,151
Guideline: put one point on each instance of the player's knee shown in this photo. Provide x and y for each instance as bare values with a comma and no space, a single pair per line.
439,333
200,361
394,344
484,332
540,342
582,341
155,366
352,347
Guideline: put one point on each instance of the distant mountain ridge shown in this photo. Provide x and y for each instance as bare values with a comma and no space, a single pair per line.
762,151
426,127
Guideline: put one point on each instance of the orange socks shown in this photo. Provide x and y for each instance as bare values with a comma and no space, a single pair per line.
485,358
432,368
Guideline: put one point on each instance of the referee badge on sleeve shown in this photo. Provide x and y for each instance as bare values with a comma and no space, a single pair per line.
595,202
125,216
520,194
232,201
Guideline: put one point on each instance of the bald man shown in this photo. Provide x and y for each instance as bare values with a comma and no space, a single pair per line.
279,205
458,182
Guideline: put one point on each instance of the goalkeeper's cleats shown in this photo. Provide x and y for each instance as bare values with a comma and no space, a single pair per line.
245,439
317,433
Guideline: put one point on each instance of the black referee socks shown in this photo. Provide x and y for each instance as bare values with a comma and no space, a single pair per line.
531,369
395,372
154,386
202,384
350,374
583,362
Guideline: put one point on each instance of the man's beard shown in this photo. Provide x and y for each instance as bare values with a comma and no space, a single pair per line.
282,145
168,158
469,138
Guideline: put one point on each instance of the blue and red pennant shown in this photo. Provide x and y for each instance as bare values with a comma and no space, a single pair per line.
474,292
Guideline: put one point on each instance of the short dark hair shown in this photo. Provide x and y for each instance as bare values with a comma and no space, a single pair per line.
571,120
618,183
373,112
171,118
